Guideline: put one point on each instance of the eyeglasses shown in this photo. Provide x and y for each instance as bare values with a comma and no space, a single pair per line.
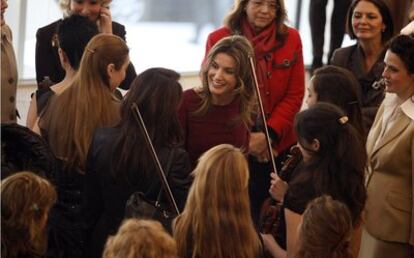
260,3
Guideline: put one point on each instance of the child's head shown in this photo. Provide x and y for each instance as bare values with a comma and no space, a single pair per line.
73,34
325,230
140,238
25,203
337,86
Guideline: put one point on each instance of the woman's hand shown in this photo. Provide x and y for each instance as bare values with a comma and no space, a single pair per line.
270,245
105,20
278,187
258,147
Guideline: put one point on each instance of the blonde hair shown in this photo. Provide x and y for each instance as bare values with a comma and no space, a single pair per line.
65,6
326,230
25,202
216,221
240,49
73,116
140,239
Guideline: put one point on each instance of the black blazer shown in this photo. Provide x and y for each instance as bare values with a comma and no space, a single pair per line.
105,197
47,57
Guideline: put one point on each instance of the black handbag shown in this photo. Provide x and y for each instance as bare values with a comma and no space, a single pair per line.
138,206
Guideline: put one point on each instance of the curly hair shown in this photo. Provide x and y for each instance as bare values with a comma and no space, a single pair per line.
25,203
140,238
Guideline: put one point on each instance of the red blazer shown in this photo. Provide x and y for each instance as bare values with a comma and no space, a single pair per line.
283,97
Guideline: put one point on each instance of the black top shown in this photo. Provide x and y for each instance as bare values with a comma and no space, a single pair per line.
105,196
352,58
296,199
47,57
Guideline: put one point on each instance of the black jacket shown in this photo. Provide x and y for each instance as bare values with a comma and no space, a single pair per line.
47,57
105,196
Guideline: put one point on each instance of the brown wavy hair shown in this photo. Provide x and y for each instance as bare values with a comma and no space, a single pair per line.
72,117
240,49
25,203
326,230
216,221
140,238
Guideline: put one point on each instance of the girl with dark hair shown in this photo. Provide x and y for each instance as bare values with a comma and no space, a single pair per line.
281,79
119,162
334,160
370,23
389,216
72,35
338,86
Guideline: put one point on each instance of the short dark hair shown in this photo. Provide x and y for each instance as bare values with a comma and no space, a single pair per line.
73,34
403,47
386,18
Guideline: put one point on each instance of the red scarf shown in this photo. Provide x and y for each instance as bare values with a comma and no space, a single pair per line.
263,43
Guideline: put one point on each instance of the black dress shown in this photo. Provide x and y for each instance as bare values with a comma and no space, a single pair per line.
105,196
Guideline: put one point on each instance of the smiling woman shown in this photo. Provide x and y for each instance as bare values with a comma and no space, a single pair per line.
370,23
221,110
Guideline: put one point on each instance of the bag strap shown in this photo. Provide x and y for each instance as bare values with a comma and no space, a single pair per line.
167,171
158,167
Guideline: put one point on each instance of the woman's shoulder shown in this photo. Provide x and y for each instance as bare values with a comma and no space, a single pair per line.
49,30
341,55
220,33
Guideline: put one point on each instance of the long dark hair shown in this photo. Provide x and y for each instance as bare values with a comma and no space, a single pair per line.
157,93
339,86
337,168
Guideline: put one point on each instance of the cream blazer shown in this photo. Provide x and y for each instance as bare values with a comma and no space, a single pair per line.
389,208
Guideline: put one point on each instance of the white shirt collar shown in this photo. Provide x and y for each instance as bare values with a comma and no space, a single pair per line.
391,102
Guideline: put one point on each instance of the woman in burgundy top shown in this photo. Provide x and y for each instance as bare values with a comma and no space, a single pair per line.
281,78
220,111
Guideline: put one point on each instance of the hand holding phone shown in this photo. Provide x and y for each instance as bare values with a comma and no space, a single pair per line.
105,20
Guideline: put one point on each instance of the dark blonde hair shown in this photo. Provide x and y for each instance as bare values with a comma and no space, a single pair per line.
140,238
326,230
240,49
25,202
65,6
216,221
73,116
237,13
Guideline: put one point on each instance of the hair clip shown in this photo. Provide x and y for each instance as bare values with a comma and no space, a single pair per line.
343,120
35,207
90,50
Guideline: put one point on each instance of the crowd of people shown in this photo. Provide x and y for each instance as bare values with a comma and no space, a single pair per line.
220,144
